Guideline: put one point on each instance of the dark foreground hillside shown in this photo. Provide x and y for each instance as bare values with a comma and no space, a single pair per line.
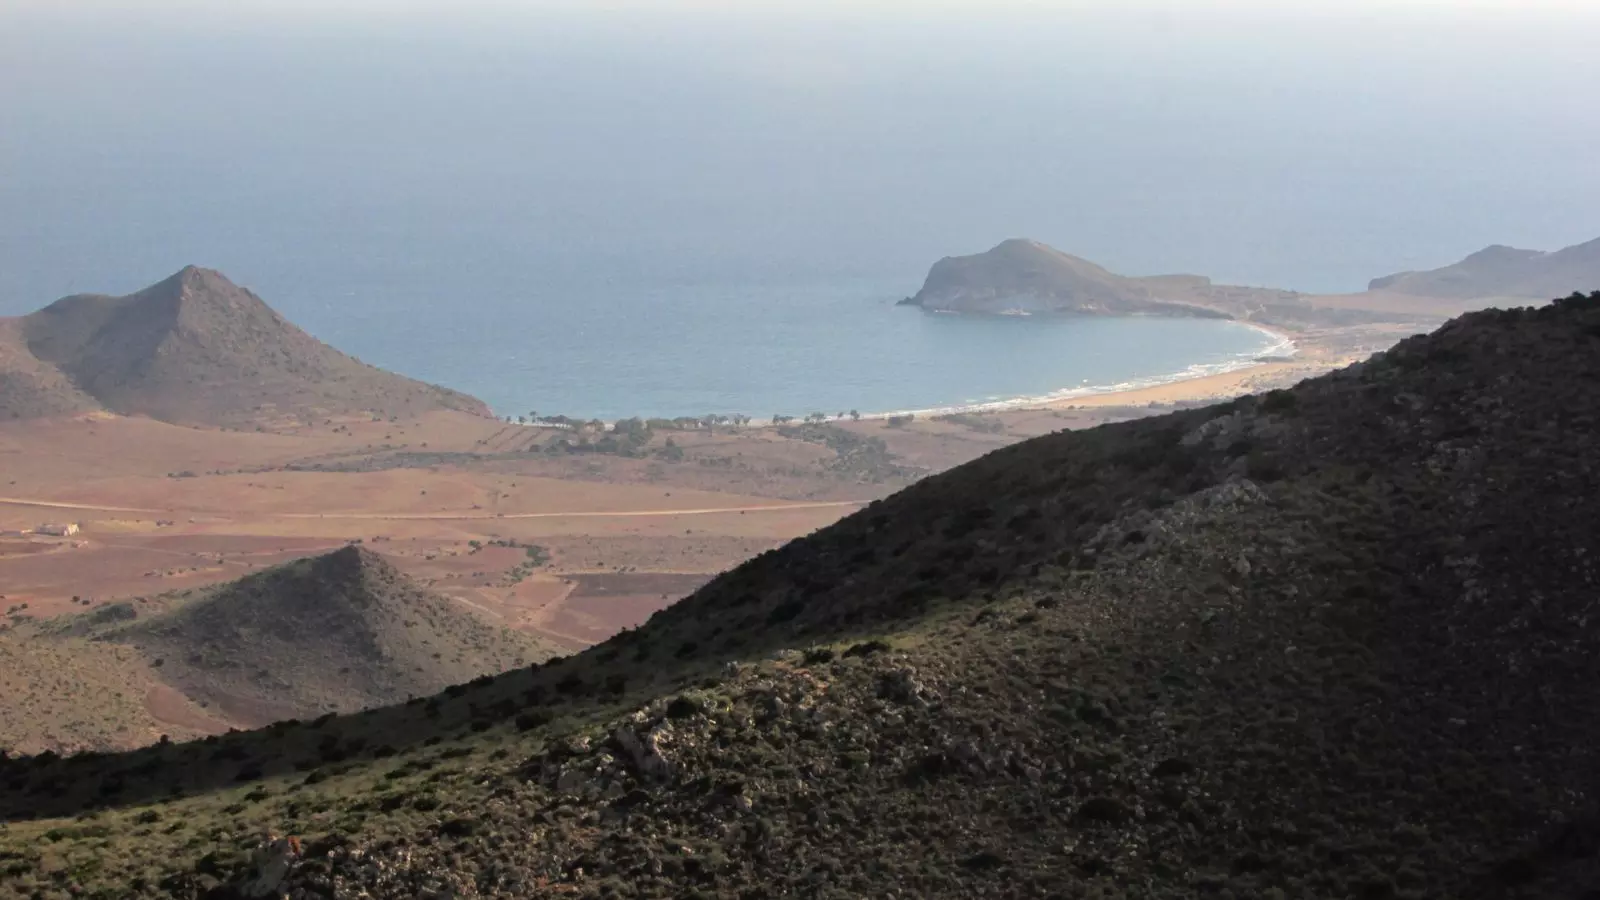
1339,641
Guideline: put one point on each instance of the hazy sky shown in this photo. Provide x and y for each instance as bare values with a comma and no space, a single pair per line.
1311,145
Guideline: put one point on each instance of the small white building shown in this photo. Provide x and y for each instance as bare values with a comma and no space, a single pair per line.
54,530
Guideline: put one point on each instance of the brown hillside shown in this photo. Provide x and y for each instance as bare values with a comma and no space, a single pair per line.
337,633
1330,642
65,695
30,388
197,349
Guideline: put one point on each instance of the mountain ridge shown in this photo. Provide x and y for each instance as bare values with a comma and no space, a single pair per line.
1502,271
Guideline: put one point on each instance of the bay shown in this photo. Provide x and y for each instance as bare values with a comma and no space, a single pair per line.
756,349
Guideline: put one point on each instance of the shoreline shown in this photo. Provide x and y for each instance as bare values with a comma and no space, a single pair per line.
1200,382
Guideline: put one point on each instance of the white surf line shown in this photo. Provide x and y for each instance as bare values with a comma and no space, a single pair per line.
1283,345
445,517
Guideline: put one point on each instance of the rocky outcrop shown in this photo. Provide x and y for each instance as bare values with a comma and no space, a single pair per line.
645,752
271,863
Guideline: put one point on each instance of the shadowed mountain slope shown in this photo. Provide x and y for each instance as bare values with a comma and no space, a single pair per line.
1501,271
197,349
30,388
1337,641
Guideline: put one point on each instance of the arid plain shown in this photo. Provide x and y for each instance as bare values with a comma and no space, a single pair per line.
162,507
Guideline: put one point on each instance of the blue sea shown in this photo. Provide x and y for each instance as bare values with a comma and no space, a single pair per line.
756,349
680,209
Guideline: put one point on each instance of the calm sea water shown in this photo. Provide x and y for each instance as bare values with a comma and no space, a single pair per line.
754,349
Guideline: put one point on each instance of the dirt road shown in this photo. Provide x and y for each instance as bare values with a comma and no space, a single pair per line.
445,516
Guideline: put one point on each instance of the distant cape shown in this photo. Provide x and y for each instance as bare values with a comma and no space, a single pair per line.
1023,277
1501,271
1026,277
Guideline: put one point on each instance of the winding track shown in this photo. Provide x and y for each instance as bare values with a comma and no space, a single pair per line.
449,517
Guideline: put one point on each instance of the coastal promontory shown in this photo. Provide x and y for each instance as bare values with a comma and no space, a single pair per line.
1504,272
1025,277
